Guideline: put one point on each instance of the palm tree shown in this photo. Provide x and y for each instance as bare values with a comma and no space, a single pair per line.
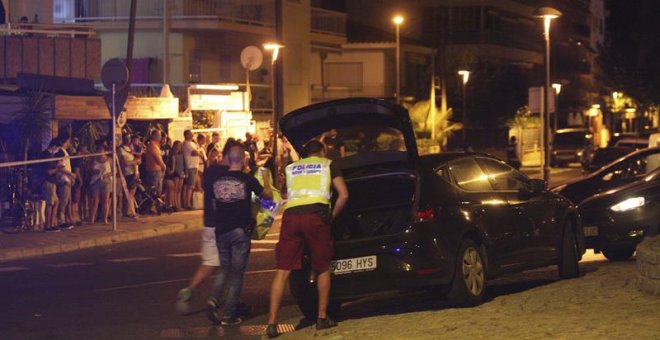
91,132
34,119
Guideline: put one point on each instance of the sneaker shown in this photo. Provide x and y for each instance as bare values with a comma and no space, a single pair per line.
325,323
271,331
183,301
230,321
212,310
66,226
52,230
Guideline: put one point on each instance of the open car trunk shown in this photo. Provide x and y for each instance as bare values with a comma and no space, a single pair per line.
379,204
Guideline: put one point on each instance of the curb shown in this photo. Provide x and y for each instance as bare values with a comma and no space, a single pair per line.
648,265
99,241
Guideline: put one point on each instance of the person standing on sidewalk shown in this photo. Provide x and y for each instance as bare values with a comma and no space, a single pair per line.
512,153
228,208
65,180
154,167
191,160
49,187
305,222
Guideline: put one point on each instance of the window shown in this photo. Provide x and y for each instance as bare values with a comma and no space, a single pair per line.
502,177
444,174
469,176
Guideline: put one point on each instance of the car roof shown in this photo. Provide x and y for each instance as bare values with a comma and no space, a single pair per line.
444,157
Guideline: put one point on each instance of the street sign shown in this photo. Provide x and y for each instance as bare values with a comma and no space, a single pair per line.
114,71
536,102
120,100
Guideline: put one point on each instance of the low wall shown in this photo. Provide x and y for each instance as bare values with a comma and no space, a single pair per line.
648,265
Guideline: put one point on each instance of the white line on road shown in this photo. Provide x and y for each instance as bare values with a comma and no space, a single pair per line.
259,250
184,254
265,241
131,259
68,265
12,269
164,282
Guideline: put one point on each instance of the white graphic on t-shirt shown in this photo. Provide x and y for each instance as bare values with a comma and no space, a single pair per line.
229,189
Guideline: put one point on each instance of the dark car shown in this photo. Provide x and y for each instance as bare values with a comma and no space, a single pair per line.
617,220
627,169
604,156
448,220
570,146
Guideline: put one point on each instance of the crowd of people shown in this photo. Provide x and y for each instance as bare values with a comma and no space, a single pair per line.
79,189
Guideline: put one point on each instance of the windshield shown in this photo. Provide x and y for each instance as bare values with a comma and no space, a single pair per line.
354,140
578,138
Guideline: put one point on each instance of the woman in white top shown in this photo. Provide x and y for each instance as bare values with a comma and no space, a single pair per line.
101,185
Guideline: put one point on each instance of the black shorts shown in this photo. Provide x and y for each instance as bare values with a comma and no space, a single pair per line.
131,183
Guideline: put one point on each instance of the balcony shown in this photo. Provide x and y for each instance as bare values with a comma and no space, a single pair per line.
50,50
257,13
328,22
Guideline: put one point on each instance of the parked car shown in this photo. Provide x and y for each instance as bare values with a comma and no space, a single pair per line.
447,220
617,220
633,143
603,156
570,146
627,169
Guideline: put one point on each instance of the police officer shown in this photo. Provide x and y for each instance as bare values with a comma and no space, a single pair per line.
306,222
512,153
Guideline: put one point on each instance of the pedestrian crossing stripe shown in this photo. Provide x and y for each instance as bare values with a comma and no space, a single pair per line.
131,259
68,265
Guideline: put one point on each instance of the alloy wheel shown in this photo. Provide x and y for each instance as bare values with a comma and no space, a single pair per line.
473,271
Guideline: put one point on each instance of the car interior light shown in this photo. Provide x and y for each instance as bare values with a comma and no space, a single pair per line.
628,204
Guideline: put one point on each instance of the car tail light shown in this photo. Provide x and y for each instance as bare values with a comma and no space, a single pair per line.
425,215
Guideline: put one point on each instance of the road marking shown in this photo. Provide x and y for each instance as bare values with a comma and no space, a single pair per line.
131,259
265,241
67,265
259,250
164,282
184,254
12,269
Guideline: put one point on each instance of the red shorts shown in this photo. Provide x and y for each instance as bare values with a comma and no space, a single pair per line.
299,230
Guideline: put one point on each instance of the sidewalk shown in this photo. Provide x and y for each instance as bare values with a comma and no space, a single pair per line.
32,244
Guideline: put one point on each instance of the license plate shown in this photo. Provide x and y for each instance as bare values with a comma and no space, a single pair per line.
356,264
590,231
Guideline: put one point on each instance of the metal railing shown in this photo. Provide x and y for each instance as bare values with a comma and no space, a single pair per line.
50,30
260,14
328,22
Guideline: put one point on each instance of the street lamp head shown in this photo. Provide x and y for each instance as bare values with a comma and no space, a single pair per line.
398,20
465,74
547,13
275,47
557,87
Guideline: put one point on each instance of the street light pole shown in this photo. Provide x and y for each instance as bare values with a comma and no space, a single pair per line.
547,14
398,20
465,74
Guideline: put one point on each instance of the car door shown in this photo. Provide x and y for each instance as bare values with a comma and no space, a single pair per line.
508,183
487,209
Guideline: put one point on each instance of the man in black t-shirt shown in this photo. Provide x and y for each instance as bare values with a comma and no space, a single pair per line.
334,145
49,186
227,208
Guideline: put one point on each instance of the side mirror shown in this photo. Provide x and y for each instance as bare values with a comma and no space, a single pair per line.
538,185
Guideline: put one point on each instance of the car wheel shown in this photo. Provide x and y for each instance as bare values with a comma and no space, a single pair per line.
618,254
469,283
569,258
309,307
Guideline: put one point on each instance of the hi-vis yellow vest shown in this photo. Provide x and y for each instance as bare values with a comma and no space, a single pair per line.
308,182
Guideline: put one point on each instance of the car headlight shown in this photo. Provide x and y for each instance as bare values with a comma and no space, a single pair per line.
629,204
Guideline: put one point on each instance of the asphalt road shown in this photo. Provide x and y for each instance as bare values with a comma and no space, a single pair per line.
127,291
